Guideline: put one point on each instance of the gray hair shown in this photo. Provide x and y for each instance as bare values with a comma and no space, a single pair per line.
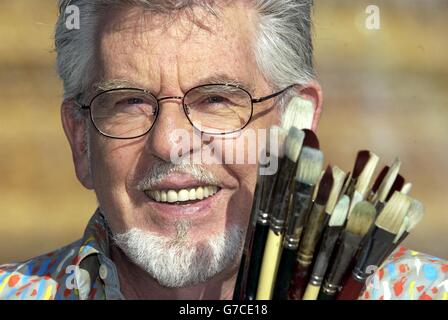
283,48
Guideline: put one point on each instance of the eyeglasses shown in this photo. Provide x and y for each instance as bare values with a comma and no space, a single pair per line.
214,109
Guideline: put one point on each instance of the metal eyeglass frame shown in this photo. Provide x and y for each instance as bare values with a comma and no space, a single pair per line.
158,100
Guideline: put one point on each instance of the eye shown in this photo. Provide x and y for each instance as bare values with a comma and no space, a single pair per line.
134,105
134,101
215,99
128,102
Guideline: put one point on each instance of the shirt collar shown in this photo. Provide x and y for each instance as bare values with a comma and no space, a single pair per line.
96,237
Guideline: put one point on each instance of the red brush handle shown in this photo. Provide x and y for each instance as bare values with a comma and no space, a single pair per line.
298,282
351,290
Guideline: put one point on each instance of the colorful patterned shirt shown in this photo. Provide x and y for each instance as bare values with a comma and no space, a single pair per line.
83,270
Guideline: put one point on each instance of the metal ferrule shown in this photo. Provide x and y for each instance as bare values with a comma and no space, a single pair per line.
291,242
263,218
277,225
300,206
316,280
359,275
304,259
330,289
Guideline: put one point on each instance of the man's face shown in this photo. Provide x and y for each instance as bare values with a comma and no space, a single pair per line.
168,59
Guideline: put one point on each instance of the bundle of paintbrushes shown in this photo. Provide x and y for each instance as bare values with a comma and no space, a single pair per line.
318,234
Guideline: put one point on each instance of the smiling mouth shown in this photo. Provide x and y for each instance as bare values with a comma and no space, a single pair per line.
182,196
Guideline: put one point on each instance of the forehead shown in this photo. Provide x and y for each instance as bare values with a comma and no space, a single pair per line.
156,50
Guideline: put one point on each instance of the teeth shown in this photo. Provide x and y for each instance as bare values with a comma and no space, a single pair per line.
192,194
200,193
183,195
172,196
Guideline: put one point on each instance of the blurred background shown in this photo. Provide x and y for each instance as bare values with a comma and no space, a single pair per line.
385,90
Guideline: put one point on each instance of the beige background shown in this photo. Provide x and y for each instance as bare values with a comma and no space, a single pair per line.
385,90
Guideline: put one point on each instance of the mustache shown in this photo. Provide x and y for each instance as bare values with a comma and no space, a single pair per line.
161,170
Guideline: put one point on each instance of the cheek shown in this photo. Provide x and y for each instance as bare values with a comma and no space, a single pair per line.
113,164
241,202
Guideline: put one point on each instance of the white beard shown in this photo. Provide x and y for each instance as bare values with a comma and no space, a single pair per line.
174,261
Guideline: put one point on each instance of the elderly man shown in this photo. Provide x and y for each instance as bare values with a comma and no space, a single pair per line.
135,75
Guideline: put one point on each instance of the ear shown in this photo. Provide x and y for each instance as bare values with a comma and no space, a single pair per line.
75,130
312,91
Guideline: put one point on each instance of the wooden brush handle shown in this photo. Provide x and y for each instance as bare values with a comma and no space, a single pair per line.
298,283
311,234
311,292
269,266
351,290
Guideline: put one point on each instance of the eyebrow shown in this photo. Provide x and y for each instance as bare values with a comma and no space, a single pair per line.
115,84
219,78
222,78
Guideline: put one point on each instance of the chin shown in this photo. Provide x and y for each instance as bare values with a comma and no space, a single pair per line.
179,259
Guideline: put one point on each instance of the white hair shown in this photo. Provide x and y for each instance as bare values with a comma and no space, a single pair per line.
283,48
177,261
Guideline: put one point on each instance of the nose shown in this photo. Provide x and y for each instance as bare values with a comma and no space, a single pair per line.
172,133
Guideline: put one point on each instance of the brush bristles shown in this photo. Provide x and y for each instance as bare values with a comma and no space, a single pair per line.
325,186
397,186
415,214
391,217
311,139
299,113
406,188
361,159
388,180
340,212
293,143
379,179
361,218
366,175
316,189
310,166
278,134
338,182
403,228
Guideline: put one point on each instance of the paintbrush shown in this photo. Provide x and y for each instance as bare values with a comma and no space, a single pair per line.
279,209
318,219
363,181
411,220
347,183
406,189
339,178
386,185
397,186
313,229
308,171
299,113
241,281
381,237
329,239
316,189
358,225
255,253
361,160
377,183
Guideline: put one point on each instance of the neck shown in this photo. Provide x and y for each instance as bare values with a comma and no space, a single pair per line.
135,283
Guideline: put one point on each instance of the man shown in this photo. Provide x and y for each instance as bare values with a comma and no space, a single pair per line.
137,75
